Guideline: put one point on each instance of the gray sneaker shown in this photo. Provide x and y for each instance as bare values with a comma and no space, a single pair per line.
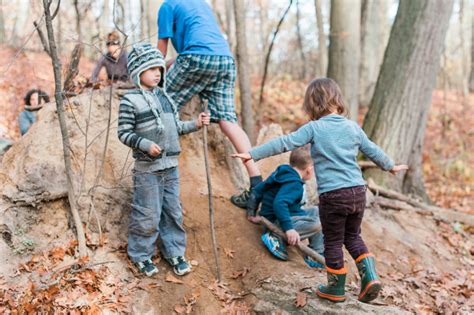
241,200
147,267
180,265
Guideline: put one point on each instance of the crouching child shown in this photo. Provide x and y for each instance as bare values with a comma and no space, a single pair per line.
280,196
149,124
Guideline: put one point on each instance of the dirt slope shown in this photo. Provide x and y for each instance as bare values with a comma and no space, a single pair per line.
424,264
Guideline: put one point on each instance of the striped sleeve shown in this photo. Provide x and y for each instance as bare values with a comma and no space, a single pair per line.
126,127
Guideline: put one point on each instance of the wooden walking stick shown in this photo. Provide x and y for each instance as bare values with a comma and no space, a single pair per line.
302,247
211,207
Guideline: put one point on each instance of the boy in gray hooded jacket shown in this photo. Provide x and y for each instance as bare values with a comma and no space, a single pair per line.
149,123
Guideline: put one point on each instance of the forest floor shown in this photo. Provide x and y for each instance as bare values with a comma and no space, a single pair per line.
426,265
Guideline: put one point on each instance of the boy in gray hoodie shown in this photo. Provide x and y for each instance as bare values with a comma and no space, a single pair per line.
149,124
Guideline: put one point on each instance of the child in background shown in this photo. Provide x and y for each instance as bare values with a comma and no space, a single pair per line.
114,61
149,123
34,101
335,142
281,197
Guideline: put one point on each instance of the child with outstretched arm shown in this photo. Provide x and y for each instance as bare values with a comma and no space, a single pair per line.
149,123
280,196
335,142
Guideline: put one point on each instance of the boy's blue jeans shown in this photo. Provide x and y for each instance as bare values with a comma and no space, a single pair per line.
156,210
307,227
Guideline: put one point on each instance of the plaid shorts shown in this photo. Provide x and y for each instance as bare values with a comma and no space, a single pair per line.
211,77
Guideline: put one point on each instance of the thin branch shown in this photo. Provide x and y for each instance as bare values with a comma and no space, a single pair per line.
270,48
64,130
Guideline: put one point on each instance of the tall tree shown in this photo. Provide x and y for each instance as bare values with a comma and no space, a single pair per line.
322,48
229,17
375,30
248,123
152,14
143,24
58,95
344,50
399,109
2,24
471,77
300,42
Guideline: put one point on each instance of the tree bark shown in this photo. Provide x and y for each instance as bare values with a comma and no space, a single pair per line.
229,17
248,123
344,50
153,7
73,68
398,112
269,52
471,77
64,129
375,30
43,40
78,19
300,43
2,24
143,24
322,48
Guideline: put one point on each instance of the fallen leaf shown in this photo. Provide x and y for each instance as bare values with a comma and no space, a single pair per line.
180,309
173,279
301,299
57,253
240,273
229,253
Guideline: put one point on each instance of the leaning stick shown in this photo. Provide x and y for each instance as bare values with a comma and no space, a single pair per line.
211,208
302,247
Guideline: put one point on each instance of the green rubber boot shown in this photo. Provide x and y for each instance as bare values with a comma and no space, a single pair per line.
335,289
370,282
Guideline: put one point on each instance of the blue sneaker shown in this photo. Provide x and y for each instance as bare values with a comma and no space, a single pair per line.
180,265
147,267
313,263
275,245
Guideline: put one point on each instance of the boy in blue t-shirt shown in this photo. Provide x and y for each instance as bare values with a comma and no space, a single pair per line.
281,196
204,67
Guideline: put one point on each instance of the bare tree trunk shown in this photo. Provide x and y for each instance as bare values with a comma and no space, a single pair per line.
269,52
344,50
463,17
399,109
375,30
229,17
105,18
153,7
322,48
43,39
78,19
64,130
143,24
300,42
73,68
248,122
2,24
60,33
471,77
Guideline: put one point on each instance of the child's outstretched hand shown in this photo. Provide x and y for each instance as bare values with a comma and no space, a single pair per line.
293,237
398,168
203,119
244,156
155,150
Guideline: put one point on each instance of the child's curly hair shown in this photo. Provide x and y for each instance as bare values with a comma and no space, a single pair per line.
322,97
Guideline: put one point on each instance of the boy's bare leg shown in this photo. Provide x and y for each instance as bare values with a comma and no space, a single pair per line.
241,143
